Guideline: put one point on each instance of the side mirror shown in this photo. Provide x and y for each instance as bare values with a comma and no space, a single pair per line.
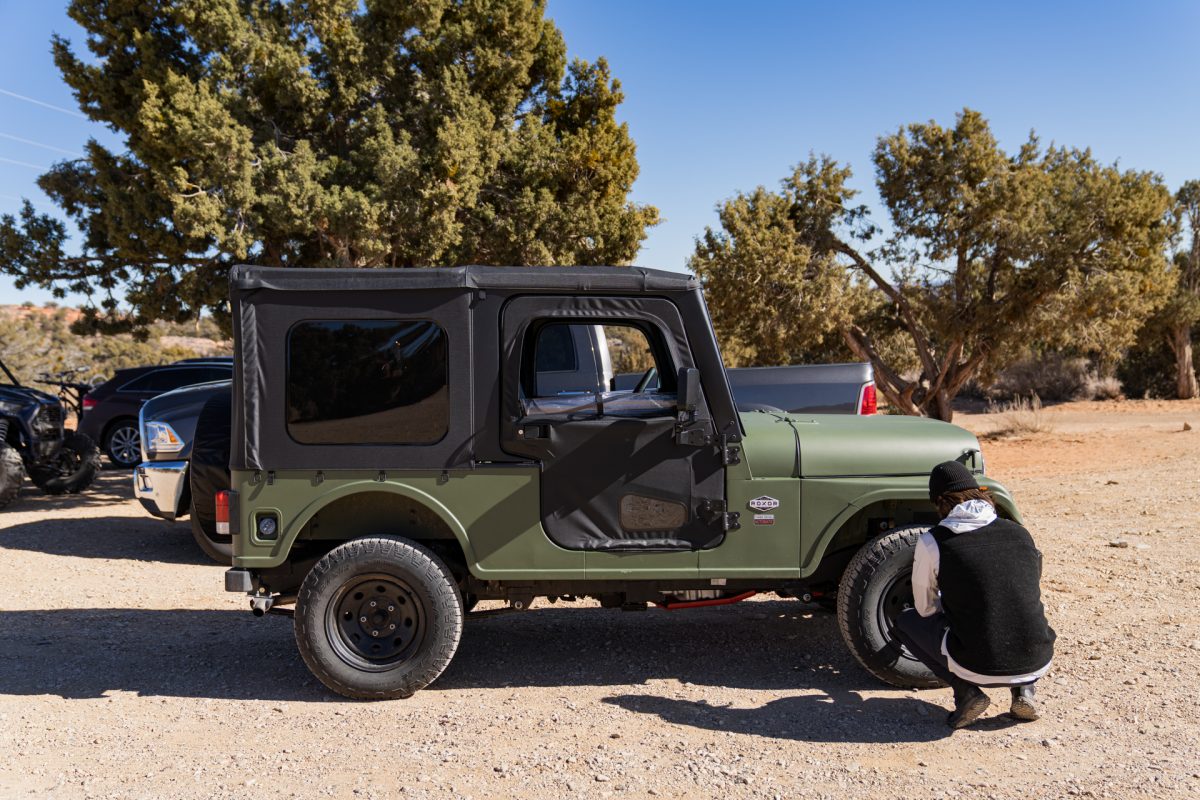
687,397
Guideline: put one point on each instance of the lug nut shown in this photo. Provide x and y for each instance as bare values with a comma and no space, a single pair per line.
372,604
374,633
362,619
392,627
391,608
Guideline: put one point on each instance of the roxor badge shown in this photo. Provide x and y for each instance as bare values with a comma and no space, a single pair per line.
764,503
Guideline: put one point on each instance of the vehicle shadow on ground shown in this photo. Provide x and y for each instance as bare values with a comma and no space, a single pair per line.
133,538
109,487
773,645
229,654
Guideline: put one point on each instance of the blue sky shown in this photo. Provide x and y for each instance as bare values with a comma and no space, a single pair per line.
722,97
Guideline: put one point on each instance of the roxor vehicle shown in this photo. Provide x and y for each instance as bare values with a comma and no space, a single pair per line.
402,447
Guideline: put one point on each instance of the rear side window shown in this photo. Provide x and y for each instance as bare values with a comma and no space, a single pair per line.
367,382
164,380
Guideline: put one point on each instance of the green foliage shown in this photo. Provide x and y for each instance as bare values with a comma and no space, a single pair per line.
37,340
988,253
325,133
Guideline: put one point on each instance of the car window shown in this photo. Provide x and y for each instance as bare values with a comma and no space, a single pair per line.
367,382
166,379
574,363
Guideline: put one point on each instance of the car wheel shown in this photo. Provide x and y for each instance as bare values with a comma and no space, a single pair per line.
875,588
378,618
12,473
123,444
71,469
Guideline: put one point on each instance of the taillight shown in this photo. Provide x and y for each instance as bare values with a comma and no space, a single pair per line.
223,512
89,402
867,403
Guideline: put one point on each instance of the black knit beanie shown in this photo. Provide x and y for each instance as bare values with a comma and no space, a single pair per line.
950,476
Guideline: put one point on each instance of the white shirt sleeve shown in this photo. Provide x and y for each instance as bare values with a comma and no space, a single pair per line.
926,560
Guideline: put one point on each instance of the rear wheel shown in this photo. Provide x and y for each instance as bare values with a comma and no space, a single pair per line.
378,618
875,588
71,469
123,444
12,473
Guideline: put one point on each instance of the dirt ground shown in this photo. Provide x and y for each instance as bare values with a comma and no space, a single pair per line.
126,671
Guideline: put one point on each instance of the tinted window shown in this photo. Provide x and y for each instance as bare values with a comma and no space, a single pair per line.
555,349
367,382
164,380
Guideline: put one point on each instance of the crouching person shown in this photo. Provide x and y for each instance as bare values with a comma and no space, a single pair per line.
978,618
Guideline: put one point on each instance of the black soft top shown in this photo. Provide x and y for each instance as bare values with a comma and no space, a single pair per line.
575,279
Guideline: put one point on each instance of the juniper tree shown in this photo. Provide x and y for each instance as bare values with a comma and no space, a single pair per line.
324,133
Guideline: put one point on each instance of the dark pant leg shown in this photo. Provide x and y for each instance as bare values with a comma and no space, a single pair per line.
923,638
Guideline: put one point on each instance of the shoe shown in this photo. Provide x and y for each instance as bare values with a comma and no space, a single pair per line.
1023,705
969,703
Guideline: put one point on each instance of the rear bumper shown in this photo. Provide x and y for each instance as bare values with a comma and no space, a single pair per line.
159,485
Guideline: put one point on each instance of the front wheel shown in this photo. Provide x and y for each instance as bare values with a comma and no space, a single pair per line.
123,445
71,469
12,472
378,618
875,588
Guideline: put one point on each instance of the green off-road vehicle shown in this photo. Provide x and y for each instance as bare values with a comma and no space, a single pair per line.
409,442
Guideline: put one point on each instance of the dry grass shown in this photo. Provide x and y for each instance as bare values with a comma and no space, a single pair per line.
1023,417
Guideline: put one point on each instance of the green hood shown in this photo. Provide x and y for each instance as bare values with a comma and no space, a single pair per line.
848,444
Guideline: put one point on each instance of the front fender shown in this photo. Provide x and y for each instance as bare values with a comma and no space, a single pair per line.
851,498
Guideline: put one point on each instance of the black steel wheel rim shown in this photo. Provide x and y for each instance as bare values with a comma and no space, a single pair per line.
375,622
896,597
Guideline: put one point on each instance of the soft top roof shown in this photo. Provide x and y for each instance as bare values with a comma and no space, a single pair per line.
581,279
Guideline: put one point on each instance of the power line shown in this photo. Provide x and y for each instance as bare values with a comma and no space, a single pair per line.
39,144
23,163
59,109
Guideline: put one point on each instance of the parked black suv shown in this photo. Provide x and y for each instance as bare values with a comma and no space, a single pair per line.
33,441
110,411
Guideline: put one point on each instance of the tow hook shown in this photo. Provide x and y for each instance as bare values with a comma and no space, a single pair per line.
261,604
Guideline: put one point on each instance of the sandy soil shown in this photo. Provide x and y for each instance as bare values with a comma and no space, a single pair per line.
126,671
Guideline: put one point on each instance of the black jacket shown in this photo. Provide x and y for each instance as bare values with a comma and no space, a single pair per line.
991,595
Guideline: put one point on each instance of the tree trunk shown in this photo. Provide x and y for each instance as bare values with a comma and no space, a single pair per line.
938,406
1185,371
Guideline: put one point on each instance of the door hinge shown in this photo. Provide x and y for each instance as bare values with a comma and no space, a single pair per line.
693,437
715,513
730,453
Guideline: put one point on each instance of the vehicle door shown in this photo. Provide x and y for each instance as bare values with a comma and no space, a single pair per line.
621,470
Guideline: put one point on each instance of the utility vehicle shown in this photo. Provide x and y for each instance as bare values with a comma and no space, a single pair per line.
403,446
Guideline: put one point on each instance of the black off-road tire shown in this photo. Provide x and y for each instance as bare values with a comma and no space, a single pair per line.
70,470
876,585
335,618
219,551
208,473
12,474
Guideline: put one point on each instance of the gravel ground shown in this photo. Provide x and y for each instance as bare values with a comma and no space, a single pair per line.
126,671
